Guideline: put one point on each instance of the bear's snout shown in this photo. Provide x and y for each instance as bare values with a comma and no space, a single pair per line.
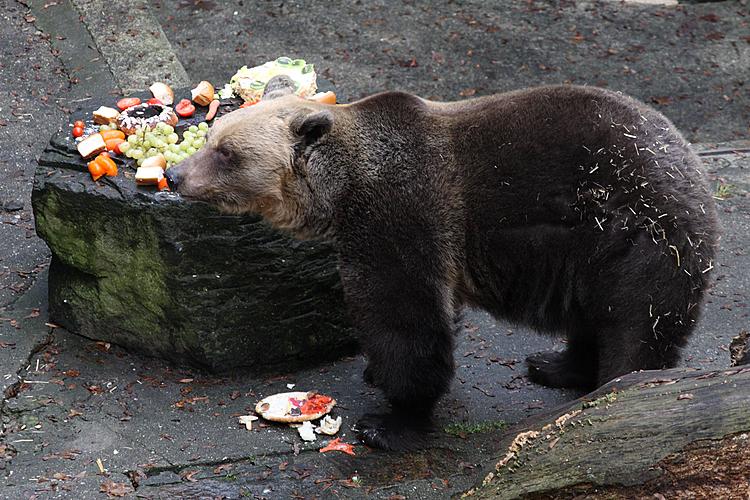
174,177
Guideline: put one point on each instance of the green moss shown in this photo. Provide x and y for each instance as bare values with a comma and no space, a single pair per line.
463,429
120,252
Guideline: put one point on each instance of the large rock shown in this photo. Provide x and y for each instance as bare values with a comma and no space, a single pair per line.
171,278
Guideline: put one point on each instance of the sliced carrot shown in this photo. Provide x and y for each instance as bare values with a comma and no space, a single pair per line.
112,134
325,97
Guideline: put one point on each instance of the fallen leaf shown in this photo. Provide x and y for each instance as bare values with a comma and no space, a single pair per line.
337,445
71,373
33,314
223,467
687,395
715,36
189,475
408,63
113,489
468,92
185,380
662,100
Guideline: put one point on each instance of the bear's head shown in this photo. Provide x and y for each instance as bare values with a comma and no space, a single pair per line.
251,156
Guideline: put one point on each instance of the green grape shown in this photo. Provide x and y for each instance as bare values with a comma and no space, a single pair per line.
152,152
174,148
139,161
198,143
172,138
102,128
201,133
203,126
132,139
136,153
160,144
188,136
124,146
168,129
193,128
184,145
191,150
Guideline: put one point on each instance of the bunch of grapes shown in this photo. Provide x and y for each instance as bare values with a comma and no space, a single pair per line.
146,142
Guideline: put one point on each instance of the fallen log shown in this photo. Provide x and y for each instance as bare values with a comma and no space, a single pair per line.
679,431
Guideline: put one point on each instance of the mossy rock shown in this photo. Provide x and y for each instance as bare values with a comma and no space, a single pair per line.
166,277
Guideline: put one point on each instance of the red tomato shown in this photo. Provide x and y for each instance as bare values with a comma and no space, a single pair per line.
79,124
77,131
113,144
154,100
128,102
185,108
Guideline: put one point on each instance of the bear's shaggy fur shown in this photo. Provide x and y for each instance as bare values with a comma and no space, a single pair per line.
573,210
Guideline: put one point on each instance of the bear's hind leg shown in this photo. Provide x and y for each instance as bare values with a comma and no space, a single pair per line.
575,367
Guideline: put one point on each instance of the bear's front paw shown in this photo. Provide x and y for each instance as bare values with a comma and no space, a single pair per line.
392,432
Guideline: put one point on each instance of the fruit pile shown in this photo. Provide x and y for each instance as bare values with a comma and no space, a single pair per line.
163,140
147,133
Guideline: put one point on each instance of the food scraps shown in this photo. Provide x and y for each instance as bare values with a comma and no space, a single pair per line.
163,92
295,406
145,132
247,421
203,94
185,108
148,176
337,445
128,102
91,145
155,161
328,425
146,116
306,431
249,83
213,107
106,116
102,165
324,97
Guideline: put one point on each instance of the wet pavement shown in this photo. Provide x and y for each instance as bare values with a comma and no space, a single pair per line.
162,431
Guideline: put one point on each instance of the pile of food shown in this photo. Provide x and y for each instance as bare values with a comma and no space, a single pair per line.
146,135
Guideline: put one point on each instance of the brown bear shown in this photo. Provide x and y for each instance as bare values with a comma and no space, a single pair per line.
573,210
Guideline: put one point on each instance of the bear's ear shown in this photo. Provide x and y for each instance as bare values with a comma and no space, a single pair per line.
311,127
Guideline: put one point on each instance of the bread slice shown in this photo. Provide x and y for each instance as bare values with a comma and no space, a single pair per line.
148,176
106,116
91,145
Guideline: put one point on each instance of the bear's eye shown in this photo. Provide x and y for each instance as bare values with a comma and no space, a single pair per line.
224,153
